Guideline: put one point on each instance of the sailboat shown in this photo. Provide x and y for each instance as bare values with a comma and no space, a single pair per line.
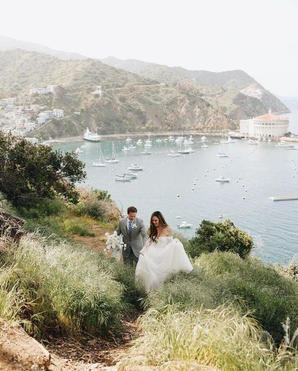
100,162
113,159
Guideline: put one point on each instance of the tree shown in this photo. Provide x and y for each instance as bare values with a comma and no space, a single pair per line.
29,172
223,236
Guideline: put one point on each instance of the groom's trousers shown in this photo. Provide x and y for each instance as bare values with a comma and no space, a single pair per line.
129,256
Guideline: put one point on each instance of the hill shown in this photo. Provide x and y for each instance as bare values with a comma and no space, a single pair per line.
8,43
237,92
128,101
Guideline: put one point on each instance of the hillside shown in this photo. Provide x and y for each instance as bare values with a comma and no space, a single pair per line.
238,93
8,43
128,101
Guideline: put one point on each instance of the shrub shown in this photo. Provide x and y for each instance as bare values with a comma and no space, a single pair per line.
222,236
220,278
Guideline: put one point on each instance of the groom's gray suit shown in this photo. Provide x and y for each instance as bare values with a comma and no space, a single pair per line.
134,240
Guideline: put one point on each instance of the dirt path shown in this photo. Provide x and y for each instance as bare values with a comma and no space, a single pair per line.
89,353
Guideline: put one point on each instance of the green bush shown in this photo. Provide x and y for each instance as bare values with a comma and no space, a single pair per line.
250,285
30,172
222,236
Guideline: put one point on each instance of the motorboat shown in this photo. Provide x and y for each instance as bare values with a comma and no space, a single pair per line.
204,146
91,137
100,162
148,143
179,140
128,140
146,153
203,139
78,151
158,140
131,175
222,179
125,149
252,142
122,178
135,167
171,138
222,154
184,225
139,142
174,154
285,145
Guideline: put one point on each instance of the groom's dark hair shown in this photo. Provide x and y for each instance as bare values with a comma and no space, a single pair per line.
132,209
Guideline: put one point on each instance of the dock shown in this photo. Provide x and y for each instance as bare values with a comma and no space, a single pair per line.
284,198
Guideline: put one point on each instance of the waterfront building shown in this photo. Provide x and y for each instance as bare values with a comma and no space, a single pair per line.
268,126
97,91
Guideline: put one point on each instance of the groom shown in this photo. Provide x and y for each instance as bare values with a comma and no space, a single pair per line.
134,235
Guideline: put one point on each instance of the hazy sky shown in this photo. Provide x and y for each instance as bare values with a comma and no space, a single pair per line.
258,36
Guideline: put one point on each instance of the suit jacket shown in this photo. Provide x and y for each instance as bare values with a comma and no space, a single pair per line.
134,239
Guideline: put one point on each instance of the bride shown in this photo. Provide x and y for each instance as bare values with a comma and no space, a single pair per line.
161,256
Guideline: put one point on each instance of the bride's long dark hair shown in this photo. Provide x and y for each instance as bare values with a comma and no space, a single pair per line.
152,228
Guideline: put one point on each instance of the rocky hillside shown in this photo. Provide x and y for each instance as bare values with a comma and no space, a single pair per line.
128,101
238,93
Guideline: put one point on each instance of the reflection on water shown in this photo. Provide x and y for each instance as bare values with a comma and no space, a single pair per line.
185,186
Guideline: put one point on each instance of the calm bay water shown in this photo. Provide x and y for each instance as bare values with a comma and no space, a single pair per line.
185,186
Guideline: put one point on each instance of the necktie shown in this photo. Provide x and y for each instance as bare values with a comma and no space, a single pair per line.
130,226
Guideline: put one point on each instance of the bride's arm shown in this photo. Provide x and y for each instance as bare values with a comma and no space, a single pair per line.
147,243
168,232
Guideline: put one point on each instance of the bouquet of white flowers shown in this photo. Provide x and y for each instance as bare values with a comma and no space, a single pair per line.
114,245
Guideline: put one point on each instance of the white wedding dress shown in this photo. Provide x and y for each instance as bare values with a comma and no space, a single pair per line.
159,260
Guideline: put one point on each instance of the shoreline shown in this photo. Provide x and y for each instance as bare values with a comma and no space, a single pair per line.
138,135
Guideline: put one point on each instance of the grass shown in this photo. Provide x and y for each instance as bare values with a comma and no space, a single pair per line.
221,338
223,278
63,289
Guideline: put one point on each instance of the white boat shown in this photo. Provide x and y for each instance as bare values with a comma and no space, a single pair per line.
174,154
125,149
100,162
285,145
171,138
222,154
252,142
91,137
112,159
122,178
203,139
230,140
78,151
135,167
131,147
139,142
204,146
148,143
222,179
158,140
184,225
179,140
128,140
131,175
146,153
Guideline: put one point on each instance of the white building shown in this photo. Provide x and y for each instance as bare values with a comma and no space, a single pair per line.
97,91
265,126
58,113
41,91
44,116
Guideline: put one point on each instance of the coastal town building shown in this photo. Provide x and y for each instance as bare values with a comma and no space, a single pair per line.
97,91
41,91
58,113
268,126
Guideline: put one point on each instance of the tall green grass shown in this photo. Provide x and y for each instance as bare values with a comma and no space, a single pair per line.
221,338
224,278
63,289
